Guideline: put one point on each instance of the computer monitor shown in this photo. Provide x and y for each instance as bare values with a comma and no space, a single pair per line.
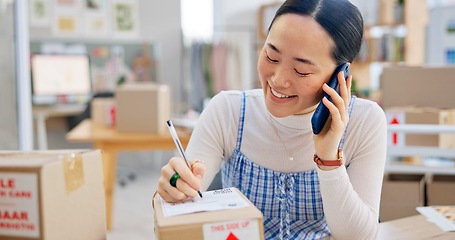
60,79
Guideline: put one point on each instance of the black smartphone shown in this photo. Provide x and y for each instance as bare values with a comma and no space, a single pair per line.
322,113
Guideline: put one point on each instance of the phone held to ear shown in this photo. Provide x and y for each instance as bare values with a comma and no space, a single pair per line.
322,113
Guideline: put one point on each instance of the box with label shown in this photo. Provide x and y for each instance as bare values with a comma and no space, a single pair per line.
239,220
416,115
103,111
52,195
143,107
400,196
441,190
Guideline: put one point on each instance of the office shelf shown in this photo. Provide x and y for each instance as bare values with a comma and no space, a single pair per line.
435,160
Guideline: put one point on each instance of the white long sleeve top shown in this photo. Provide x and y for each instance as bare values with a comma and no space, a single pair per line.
350,194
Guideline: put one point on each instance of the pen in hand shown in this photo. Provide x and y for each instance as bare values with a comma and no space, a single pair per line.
176,139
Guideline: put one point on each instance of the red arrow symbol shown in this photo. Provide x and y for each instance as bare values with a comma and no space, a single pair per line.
394,121
231,237
394,135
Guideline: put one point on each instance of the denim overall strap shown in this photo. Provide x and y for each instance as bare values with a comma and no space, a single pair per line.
241,121
350,106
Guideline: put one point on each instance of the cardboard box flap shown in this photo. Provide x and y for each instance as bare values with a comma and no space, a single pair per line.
205,217
33,159
143,87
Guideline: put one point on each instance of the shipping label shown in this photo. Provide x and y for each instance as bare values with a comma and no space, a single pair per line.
19,209
247,229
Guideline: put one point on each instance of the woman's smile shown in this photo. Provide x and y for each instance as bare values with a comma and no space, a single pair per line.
279,97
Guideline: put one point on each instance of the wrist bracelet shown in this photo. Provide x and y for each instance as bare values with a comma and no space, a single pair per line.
332,163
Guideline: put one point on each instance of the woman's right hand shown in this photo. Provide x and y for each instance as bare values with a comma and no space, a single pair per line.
187,185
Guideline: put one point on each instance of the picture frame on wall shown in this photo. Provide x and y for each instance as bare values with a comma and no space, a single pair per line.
95,5
96,26
125,22
70,4
66,25
96,22
39,13
66,18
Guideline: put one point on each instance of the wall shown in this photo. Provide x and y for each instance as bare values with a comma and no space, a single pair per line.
8,112
235,21
160,23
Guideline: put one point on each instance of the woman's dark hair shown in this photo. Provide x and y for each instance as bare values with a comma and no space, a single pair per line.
340,19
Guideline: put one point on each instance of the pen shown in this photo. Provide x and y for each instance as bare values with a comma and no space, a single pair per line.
176,139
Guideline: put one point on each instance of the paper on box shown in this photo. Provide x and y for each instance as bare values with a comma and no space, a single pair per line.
222,199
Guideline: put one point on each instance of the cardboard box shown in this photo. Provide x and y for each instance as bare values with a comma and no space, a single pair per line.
419,86
400,196
205,225
415,227
441,190
52,195
416,115
103,111
143,107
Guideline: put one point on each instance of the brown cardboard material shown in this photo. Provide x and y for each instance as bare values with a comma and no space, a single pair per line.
103,111
419,86
400,196
143,107
190,226
418,115
52,195
441,190
415,227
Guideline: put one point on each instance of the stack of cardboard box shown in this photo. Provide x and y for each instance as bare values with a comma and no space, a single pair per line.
136,107
417,95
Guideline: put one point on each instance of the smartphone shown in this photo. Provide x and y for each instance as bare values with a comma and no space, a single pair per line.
322,113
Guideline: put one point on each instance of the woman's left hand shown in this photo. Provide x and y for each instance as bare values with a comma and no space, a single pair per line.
326,142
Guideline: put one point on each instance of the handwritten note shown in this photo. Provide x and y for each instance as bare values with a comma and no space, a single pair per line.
215,200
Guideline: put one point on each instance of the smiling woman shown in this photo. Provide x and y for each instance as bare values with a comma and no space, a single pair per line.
307,186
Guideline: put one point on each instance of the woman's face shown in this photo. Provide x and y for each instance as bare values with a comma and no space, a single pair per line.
293,65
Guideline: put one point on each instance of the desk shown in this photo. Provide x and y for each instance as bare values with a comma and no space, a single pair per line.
415,227
42,113
110,142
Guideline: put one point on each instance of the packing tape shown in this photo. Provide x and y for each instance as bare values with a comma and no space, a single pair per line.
73,170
